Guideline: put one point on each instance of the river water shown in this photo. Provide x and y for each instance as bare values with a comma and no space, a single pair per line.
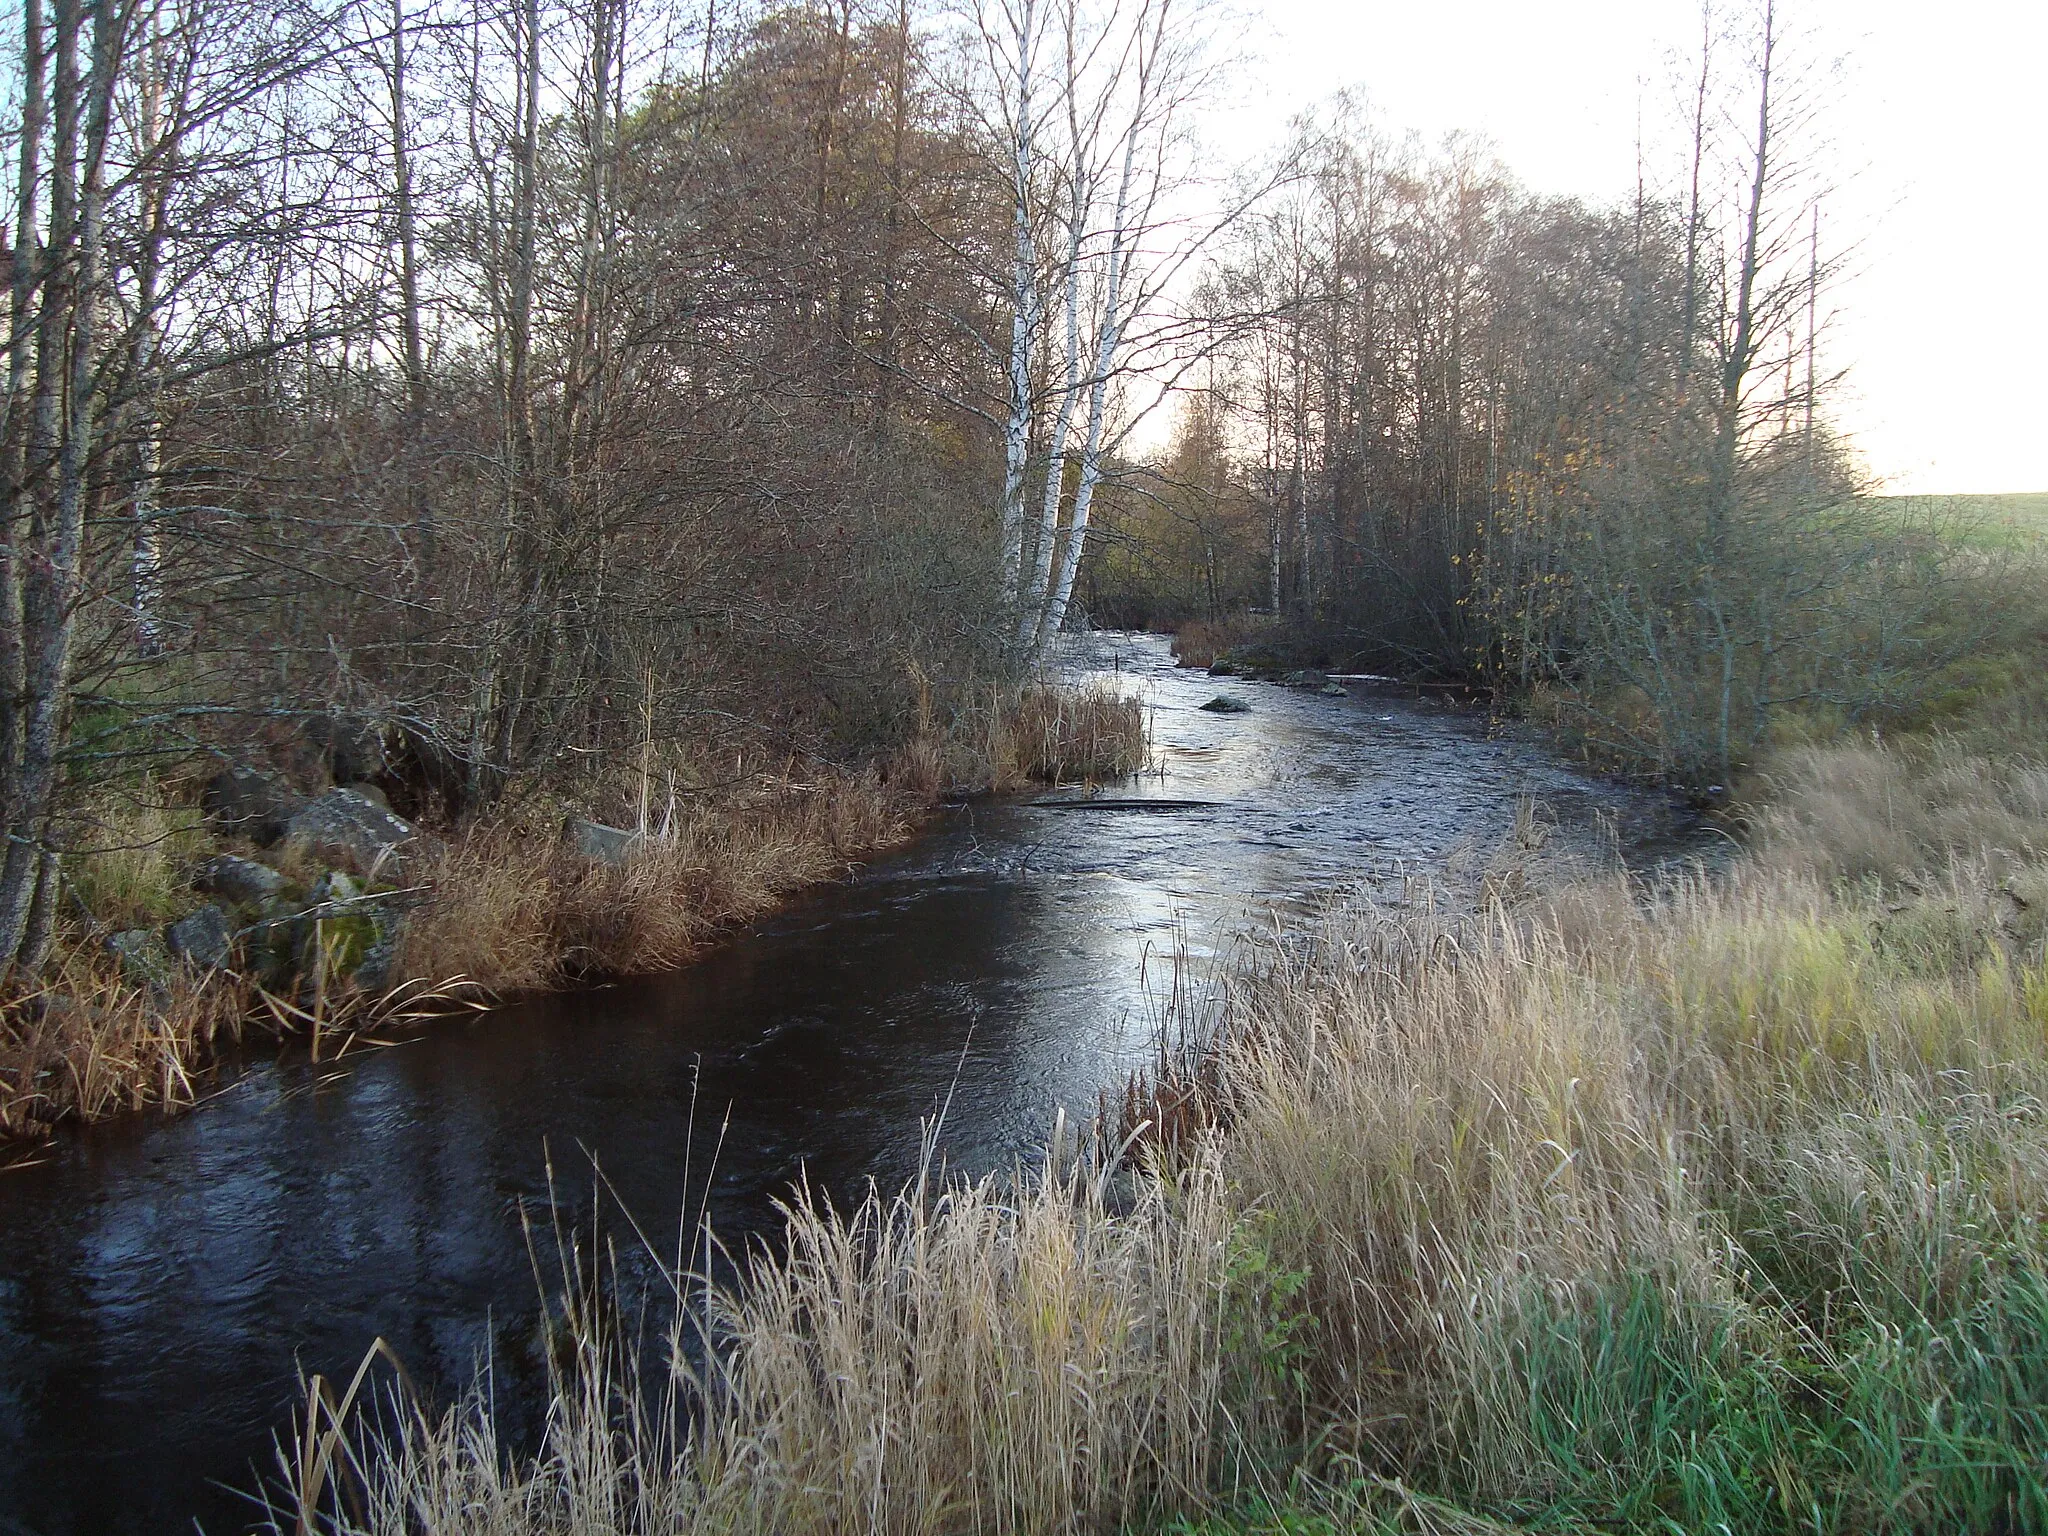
163,1281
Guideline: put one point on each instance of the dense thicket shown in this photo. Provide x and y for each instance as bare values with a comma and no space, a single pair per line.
541,378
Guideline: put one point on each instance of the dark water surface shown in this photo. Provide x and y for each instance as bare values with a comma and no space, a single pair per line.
162,1281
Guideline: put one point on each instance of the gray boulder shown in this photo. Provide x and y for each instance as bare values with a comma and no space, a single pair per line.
242,881
335,886
354,748
595,840
145,962
348,828
1227,704
352,933
270,945
1334,691
204,940
373,971
249,803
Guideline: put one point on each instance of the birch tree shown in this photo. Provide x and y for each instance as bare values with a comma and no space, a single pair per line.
1092,103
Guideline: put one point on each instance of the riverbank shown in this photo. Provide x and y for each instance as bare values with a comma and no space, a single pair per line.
1008,960
503,907
1712,1206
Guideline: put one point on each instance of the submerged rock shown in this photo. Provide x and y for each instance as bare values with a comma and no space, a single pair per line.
344,825
1227,704
204,940
1334,691
243,881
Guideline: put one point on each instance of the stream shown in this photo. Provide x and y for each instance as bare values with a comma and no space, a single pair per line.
163,1280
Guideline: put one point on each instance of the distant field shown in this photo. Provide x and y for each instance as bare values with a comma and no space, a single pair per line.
2012,521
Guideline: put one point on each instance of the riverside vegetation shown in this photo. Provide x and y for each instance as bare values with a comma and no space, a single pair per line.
186,935
1709,1206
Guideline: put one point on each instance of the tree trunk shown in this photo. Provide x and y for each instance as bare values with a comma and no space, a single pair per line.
14,484
408,277
1023,313
70,397
1743,343
1108,343
143,426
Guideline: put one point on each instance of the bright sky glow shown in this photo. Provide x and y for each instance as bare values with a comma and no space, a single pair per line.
1939,147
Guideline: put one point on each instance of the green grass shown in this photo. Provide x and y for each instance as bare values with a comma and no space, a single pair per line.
133,846
1640,1420
2018,520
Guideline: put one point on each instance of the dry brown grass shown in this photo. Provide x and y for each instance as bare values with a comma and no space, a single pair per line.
983,1358
1002,740
86,1044
1862,809
82,1040
1057,735
511,909
1198,642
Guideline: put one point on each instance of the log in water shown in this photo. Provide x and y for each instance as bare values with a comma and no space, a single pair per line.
1123,803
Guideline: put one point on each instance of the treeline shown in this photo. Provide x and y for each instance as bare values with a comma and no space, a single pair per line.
1581,452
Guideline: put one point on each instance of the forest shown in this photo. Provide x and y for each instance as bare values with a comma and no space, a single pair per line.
497,497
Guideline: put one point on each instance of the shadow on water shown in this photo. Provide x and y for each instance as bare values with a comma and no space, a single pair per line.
162,1280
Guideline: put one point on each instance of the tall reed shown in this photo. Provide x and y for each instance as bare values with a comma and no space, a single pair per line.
1069,735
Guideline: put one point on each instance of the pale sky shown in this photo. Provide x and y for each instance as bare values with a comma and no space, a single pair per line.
1940,149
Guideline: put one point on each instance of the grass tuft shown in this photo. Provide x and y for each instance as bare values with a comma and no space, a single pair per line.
1070,735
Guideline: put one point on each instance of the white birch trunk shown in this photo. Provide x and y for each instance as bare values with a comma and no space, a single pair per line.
1108,341
146,558
1038,591
1023,313
145,555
